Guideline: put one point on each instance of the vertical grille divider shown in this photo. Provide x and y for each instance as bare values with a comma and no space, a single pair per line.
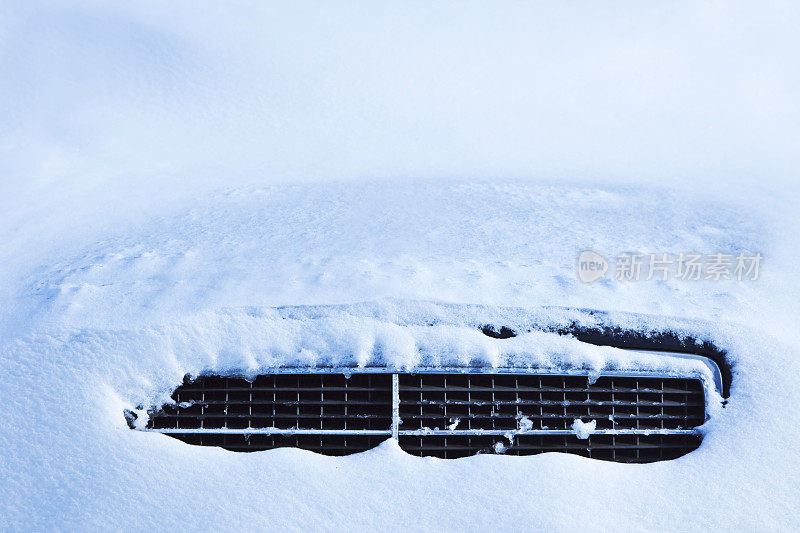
395,406
225,420
297,405
469,401
346,382
446,418
564,403
494,420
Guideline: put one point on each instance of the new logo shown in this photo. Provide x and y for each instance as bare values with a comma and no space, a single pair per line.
591,266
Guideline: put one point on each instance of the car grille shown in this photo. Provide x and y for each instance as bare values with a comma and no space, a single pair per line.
220,411
638,418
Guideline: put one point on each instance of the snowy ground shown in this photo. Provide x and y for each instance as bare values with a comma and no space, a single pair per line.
169,178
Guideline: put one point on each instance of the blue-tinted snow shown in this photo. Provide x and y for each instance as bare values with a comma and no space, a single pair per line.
172,178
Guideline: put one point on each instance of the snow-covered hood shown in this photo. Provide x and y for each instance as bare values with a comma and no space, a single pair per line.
236,187
252,278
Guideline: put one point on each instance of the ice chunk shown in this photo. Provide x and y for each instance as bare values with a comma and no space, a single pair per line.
141,420
524,423
500,447
584,429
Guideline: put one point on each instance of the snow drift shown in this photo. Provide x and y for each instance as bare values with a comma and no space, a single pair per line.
185,188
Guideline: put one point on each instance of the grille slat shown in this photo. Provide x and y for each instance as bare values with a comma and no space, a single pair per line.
302,402
542,417
527,403
296,415
284,389
638,419
546,389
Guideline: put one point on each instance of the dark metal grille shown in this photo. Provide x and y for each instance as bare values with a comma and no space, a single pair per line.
517,402
449,415
634,448
282,401
327,444
511,401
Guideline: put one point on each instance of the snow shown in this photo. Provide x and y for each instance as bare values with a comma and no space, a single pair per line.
500,447
524,423
584,429
184,189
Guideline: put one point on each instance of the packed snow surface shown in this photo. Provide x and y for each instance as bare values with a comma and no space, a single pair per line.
188,189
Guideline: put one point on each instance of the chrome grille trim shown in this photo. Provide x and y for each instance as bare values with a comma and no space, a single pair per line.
395,406
716,384
417,432
268,431
516,432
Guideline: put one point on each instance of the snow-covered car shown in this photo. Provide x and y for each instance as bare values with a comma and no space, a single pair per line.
644,407
402,252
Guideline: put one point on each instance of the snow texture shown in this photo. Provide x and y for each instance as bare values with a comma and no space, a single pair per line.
200,187
584,429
